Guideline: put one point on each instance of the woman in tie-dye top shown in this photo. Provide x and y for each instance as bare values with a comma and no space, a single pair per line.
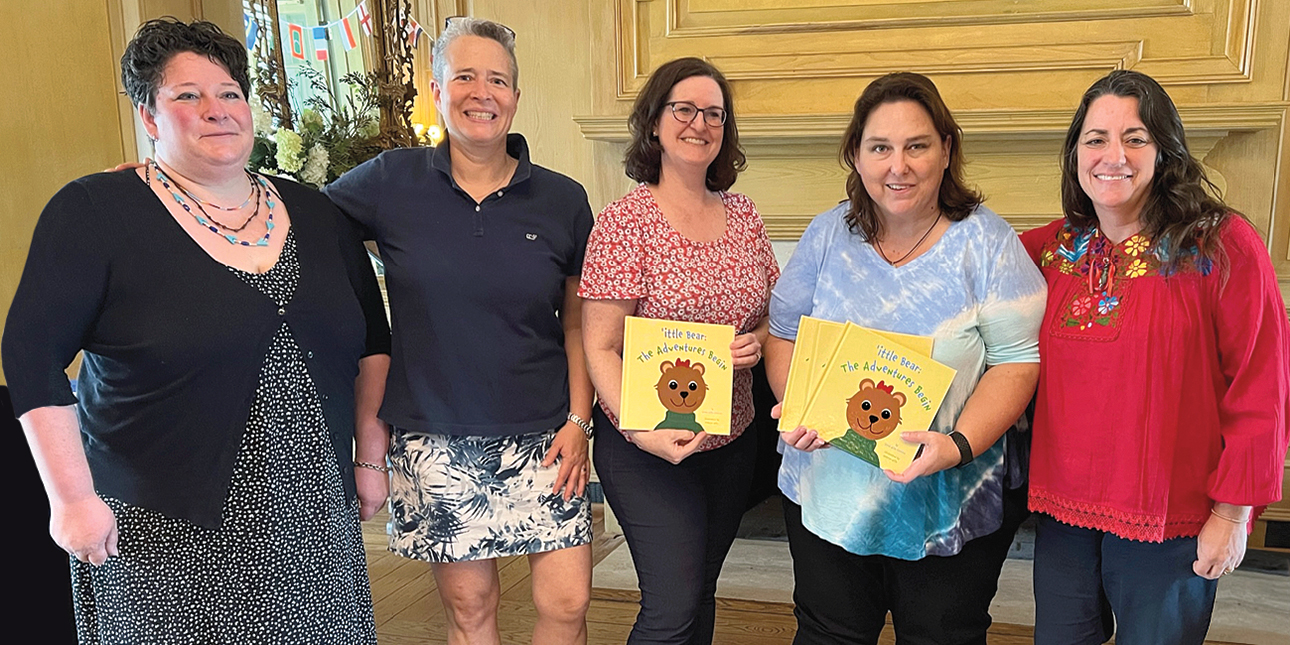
912,251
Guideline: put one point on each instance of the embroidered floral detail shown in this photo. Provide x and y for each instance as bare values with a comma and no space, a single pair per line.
1136,269
1107,305
1081,305
1136,245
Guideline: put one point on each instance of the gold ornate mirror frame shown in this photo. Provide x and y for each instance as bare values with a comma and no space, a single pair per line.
392,62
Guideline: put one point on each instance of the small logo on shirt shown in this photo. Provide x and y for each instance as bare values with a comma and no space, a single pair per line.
530,236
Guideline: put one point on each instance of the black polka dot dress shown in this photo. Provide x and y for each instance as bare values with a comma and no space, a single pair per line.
286,566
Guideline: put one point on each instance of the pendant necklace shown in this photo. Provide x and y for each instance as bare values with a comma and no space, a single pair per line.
911,250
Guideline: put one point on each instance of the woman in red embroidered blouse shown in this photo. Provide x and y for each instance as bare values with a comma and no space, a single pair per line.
677,247
1160,427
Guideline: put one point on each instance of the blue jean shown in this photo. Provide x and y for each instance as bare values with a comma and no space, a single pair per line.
1091,584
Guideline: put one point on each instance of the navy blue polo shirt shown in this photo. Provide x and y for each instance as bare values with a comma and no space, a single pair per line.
475,289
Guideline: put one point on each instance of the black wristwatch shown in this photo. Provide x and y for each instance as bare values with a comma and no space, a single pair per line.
965,448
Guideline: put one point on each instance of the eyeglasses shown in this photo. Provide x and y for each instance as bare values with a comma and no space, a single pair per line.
685,111
448,21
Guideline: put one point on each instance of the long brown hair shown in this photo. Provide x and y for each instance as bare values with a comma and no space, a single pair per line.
644,157
955,200
1184,209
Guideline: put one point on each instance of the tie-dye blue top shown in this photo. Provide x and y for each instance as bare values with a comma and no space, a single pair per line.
979,295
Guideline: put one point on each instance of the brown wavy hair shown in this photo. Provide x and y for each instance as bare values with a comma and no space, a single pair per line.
955,199
1184,209
644,157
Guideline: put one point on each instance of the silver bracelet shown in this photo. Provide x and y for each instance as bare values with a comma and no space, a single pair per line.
581,423
370,466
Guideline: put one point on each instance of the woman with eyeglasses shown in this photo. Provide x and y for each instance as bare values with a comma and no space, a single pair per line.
679,246
487,395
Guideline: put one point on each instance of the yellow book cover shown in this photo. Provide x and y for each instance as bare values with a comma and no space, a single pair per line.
817,339
676,375
801,377
872,388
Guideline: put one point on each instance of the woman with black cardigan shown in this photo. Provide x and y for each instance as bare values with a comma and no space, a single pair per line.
201,476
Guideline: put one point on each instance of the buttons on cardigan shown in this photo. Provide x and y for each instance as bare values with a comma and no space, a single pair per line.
476,208
309,354
282,311
499,193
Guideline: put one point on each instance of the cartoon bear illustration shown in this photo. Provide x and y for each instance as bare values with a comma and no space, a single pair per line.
681,390
872,413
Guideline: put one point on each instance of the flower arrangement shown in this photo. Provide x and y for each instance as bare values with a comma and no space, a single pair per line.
330,137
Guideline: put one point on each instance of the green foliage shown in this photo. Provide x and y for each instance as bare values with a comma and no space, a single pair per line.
335,133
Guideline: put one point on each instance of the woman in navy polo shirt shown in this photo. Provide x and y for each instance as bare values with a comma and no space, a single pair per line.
487,395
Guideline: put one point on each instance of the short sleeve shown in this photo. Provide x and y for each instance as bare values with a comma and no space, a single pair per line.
358,266
1035,239
794,292
582,225
64,284
1015,297
767,249
356,193
613,268
1254,354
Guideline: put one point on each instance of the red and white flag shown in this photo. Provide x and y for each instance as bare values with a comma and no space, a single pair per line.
413,31
297,35
365,18
349,41
320,42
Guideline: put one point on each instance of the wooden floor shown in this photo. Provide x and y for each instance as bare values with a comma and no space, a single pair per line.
408,609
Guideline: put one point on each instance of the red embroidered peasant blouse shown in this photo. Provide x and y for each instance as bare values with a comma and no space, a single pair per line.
634,254
1158,394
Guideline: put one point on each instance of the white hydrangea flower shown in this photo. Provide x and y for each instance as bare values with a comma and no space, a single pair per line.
260,119
290,156
315,170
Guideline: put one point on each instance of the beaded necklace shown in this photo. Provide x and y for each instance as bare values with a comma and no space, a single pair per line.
254,194
207,222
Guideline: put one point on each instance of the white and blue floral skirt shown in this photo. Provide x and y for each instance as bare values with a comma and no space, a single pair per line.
462,498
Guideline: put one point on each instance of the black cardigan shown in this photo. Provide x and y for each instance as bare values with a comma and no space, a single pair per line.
174,342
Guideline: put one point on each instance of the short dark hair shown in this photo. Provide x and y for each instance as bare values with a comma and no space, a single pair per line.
955,200
157,41
1184,208
644,156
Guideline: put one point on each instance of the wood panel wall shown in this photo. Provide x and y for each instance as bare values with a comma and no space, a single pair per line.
65,116
1011,72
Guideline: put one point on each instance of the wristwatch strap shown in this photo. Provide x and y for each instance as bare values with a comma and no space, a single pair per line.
965,448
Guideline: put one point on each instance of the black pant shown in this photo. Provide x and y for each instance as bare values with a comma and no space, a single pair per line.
679,521
843,598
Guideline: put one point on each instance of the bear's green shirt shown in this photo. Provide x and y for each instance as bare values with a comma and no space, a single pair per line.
859,446
679,421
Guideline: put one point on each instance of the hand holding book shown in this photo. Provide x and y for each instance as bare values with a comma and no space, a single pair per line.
672,446
745,351
938,452
855,388
801,437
